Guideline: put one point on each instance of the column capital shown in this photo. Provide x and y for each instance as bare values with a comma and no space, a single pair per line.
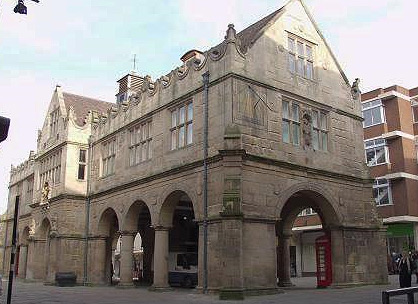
161,228
127,233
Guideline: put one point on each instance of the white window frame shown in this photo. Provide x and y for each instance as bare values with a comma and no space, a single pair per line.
375,144
292,121
414,118
300,55
140,143
181,128
380,183
369,106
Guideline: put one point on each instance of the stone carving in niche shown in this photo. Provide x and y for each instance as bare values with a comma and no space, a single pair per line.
307,130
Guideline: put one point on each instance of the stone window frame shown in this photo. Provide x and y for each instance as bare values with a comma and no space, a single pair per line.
50,169
371,106
298,54
320,130
82,164
374,145
140,141
181,126
293,123
53,123
108,157
379,185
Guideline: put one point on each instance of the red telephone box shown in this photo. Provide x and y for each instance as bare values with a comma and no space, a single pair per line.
323,261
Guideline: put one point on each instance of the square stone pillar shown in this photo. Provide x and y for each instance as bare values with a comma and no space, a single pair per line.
23,258
97,267
126,258
161,258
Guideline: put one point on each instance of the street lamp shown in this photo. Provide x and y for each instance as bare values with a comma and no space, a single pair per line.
4,127
21,8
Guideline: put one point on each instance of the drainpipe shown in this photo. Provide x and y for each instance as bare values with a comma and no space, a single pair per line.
87,207
205,178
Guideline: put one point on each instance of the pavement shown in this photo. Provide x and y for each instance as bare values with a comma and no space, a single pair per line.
304,292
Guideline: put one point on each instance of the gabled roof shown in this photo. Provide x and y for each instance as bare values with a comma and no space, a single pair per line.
250,34
83,105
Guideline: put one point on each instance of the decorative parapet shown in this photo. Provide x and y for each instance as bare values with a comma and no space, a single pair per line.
23,170
179,82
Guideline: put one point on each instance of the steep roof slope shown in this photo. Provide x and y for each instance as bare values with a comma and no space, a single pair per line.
250,34
82,105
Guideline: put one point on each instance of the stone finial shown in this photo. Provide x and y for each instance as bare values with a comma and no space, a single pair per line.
355,90
231,33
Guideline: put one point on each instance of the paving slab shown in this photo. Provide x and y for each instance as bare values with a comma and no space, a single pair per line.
304,292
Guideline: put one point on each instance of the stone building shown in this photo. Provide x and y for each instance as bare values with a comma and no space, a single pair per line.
284,134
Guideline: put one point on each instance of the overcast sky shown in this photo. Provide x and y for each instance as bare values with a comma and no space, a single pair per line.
85,46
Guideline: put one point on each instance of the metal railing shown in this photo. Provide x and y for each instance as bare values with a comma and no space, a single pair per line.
409,292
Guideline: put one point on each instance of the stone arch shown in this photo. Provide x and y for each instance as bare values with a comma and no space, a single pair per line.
108,219
130,218
24,236
325,204
165,214
291,203
172,192
44,228
137,222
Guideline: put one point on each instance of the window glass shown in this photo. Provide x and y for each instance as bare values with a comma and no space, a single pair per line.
300,49
189,133
367,115
315,119
309,52
182,115
299,66
309,70
190,112
291,44
295,112
296,132
173,119
285,132
292,60
285,109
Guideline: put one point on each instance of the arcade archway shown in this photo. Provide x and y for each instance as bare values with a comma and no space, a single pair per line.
176,243
306,218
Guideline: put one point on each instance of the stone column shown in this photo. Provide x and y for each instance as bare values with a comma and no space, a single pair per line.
126,258
284,260
97,266
23,258
161,258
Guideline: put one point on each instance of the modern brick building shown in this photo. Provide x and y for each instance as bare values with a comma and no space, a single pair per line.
390,141
284,133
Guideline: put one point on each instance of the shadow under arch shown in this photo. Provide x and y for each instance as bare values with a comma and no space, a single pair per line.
294,201
319,198
178,244
22,253
138,220
108,227
108,220
173,193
